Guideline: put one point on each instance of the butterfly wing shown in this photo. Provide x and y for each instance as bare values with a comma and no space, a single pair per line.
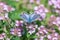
25,17
34,17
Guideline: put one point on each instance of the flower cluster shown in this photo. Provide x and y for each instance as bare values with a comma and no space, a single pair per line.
53,36
41,10
19,23
42,31
57,21
4,9
56,5
31,28
51,20
16,31
2,36
54,21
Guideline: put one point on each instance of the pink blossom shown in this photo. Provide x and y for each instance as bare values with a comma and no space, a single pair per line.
6,7
31,1
57,21
2,36
16,31
40,38
31,28
42,31
53,36
55,4
41,10
4,16
19,23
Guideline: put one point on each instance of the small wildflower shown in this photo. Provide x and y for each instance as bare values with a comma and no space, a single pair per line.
57,22
31,1
4,9
37,1
42,31
4,16
16,31
7,38
31,28
41,10
51,20
53,36
2,36
55,4
19,23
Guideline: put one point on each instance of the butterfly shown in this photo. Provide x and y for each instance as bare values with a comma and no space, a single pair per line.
29,18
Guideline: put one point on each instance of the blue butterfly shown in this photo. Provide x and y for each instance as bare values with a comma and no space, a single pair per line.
29,18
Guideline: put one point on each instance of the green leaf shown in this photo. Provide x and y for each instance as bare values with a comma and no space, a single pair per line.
28,35
14,15
16,38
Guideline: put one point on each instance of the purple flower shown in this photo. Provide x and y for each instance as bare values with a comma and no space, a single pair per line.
55,4
41,10
16,31
53,36
5,7
31,28
37,1
51,20
42,31
31,1
2,36
52,2
57,21
4,16
19,23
